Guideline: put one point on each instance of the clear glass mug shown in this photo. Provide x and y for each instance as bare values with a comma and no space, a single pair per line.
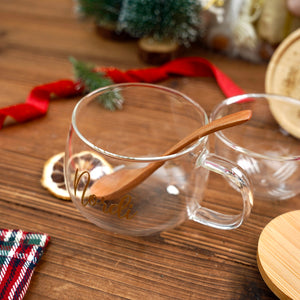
268,146
150,119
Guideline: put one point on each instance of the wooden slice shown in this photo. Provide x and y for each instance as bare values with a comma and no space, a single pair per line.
278,255
157,52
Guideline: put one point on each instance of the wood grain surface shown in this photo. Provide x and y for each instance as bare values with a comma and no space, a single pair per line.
278,255
83,261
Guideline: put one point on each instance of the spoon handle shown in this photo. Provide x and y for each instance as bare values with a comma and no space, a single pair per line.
219,124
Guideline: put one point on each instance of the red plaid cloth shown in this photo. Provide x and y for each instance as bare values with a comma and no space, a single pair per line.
19,254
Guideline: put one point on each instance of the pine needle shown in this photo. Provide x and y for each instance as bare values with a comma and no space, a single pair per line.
94,80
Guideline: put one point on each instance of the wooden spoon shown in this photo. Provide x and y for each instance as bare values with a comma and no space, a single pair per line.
116,184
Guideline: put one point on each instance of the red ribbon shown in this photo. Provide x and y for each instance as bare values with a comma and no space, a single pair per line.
189,67
37,102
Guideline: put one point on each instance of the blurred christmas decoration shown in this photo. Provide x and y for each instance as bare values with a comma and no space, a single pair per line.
162,26
276,22
105,14
250,29
235,35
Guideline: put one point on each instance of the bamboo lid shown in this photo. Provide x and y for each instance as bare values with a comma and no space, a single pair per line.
283,72
283,78
278,255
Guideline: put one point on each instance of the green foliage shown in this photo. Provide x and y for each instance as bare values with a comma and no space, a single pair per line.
177,20
94,80
103,11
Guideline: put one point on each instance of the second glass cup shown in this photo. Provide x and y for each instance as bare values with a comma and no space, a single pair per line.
150,120
268,146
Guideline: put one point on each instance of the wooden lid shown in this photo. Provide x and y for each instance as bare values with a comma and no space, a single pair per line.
283,78
283,72
278,255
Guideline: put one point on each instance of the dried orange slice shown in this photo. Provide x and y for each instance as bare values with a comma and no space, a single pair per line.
53,173
53,176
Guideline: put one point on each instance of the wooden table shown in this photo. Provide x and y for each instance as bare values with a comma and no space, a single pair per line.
83,261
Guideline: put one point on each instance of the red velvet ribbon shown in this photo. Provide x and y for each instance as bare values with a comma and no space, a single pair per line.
37,102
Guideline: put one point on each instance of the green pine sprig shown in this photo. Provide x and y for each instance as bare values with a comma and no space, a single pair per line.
94,80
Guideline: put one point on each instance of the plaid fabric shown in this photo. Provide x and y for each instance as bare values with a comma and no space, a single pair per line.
19,254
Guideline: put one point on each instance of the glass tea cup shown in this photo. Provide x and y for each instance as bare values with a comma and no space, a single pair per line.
148,121
268,146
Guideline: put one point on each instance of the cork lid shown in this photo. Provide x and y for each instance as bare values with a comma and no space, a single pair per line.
278,255
283,78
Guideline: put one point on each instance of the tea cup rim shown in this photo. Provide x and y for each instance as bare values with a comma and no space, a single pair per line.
90,96
243,150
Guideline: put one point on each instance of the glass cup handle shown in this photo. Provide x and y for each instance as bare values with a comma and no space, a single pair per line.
239,180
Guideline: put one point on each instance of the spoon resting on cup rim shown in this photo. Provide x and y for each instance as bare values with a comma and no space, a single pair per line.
116,184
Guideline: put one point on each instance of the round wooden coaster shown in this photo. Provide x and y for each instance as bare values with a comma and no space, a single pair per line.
283,78
278,255
283,72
